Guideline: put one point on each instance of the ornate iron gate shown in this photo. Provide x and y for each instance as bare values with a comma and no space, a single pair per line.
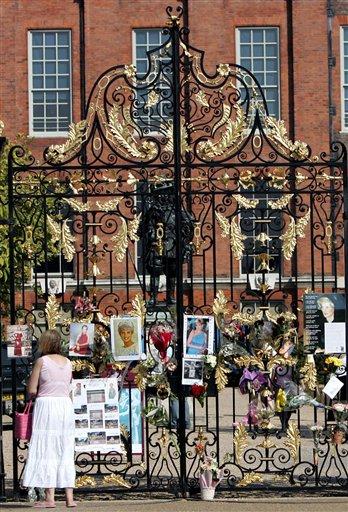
177,195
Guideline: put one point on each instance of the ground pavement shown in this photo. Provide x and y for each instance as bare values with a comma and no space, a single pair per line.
297,504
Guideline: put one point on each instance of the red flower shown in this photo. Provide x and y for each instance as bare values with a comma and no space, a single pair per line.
161,338
197,390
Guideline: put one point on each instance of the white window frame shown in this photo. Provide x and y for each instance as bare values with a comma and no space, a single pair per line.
238,58
344,128
152,133
44,134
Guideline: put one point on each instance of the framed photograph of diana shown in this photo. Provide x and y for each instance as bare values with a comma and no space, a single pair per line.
126,338
198,336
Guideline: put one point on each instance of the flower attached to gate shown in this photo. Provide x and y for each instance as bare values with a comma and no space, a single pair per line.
199,391
161,335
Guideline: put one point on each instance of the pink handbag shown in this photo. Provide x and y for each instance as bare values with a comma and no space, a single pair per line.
24,423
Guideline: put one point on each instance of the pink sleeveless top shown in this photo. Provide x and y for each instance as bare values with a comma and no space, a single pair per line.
54,378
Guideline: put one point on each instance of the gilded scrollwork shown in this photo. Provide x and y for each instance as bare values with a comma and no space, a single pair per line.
277,133
294,231
231,230
77,135
231,138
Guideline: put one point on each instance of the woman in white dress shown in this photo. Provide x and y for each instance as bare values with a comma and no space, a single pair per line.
50,461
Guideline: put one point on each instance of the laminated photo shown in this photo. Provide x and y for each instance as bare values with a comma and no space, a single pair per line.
126,338
192,371
81,339
18,338
198,335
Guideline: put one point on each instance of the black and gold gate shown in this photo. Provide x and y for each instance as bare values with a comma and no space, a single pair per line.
179,195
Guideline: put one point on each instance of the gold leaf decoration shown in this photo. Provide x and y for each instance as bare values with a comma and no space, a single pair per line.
293,440
280,203
54,229
247,179
226,114
223,69
276,131
120,241
221,378
248,360
185,148
133,227
246,203
140,376
76,136
132,180
68,247
2,127
152,99
79,206
130,71
85,481
247,318
230,140
124,139
250,478
124,431
240,442
220,304
309,375
52,311
82,364
116,480
202,99
139,307
279,360
109,206
234,232
293,231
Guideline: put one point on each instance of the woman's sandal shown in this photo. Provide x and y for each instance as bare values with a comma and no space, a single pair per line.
44,504
72,505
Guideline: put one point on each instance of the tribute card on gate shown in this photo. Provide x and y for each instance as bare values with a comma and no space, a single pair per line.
97,421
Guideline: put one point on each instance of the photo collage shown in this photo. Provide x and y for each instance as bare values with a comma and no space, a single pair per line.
97,421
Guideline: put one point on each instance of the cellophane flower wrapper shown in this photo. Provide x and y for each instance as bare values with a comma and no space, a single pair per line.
206,480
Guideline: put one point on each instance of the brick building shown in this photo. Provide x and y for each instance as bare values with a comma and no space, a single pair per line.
52,52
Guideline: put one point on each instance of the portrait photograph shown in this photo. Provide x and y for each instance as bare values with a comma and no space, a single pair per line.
126,342
81,339
18,340
55,285
198,335
324,322
192,371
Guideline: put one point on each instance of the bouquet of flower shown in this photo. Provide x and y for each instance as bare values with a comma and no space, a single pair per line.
210,474
340,411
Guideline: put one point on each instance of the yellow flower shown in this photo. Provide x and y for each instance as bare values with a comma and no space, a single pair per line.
336,361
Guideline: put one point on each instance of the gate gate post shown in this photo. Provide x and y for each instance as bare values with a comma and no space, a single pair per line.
345,208
174,31
2,462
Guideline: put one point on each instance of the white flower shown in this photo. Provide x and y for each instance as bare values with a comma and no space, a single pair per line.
210,360
339,407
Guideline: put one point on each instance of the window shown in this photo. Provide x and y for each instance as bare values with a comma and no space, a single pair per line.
258,51
152,117
344,77
49,82
262,227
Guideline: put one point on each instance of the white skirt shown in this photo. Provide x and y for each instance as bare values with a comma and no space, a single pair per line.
51,461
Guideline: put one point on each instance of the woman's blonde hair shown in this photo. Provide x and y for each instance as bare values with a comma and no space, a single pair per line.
50,342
